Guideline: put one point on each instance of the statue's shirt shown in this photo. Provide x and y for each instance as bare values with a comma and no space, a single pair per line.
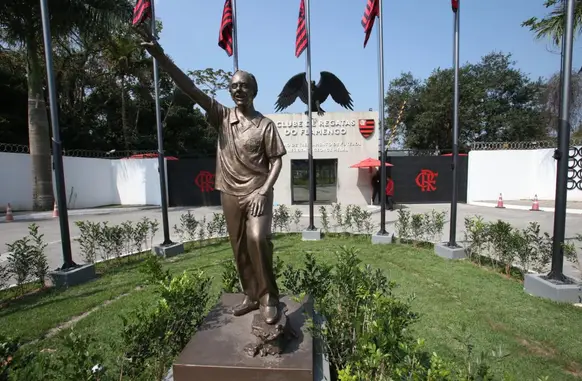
244,149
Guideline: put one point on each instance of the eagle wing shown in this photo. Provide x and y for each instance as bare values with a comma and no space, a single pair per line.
295,87
328,85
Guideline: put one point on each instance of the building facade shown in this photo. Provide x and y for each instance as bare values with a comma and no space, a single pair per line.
340,139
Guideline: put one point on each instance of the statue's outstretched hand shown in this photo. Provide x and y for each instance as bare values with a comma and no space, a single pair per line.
148,40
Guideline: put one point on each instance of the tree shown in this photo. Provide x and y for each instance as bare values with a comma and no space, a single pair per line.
20,25
497,103
552,26
12,97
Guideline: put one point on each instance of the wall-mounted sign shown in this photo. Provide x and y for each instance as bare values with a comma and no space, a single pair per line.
320,127
316,123
323,147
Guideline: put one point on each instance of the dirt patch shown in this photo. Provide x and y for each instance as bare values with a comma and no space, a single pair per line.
574,369
68,324
496,326
537,348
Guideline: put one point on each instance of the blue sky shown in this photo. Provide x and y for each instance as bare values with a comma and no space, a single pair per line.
417,38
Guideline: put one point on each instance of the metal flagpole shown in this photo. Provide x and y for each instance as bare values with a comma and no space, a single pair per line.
234,36
382,124
455,157
56,141
562,153
309,124
161,158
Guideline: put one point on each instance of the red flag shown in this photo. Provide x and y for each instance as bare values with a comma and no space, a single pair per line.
372,11
301,36
142,11
455,5
226,28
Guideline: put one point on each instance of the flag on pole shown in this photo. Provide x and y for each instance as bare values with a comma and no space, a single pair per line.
301,37
372,11
226,28
142,11
455,5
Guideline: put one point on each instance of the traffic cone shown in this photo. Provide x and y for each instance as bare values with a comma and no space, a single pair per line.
535,206
500,202
55,210
9,216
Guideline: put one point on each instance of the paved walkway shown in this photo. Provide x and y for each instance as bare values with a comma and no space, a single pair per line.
572,207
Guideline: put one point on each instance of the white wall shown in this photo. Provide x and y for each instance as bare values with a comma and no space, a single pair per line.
89,182
340,139
517,174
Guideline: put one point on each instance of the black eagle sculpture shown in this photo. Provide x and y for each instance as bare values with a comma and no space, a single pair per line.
328,85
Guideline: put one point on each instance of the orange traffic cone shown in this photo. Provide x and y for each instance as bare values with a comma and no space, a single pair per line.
9,216
500,202
55,210
535,206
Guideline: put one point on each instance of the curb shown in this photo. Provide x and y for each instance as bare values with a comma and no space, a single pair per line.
523,207
76,212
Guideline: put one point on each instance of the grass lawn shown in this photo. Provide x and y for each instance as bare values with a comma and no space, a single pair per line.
541,337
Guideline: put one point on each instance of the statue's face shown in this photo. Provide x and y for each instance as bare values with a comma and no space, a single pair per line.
242,89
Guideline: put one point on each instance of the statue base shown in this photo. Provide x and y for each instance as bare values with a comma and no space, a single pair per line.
271,338
245,348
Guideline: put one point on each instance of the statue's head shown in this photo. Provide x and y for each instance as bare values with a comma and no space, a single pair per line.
243,88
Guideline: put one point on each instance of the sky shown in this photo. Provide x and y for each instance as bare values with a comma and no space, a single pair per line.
418,38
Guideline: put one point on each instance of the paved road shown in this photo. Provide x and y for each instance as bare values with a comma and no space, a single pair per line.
50,228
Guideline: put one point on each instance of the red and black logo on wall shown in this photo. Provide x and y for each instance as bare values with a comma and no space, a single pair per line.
367,127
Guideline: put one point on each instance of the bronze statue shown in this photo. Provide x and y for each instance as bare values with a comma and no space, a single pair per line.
328,85
248,164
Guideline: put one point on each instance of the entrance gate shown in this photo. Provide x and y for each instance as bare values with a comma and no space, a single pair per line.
427,179
191,182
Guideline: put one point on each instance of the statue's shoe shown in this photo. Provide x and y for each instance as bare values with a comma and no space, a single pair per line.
245,307
271,314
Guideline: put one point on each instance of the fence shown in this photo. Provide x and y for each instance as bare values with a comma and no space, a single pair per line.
113,154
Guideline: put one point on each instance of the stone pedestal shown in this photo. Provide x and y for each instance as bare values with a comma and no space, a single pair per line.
73,276
311,235
565,292
219,351
381,239
443,250
168,251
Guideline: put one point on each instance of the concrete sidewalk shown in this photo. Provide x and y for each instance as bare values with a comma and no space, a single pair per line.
572,207
39,216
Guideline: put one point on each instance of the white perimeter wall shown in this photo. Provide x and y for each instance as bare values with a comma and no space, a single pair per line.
89,182
517,174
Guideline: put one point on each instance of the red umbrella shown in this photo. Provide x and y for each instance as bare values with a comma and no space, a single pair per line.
369,163
450,154
148,156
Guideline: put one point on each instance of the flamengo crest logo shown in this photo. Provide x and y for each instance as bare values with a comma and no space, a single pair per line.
426,180
205,181
367,127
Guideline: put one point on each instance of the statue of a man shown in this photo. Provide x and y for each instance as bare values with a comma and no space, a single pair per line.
248,164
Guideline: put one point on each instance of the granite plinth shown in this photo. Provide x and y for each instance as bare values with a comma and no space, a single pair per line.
311,235
73,276
217,350
565,292
443,250
381,239
169,250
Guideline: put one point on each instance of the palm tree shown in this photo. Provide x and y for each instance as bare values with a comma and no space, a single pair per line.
552,26
129,65
20,25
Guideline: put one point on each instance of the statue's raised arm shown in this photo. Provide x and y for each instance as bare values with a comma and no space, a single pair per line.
182,81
